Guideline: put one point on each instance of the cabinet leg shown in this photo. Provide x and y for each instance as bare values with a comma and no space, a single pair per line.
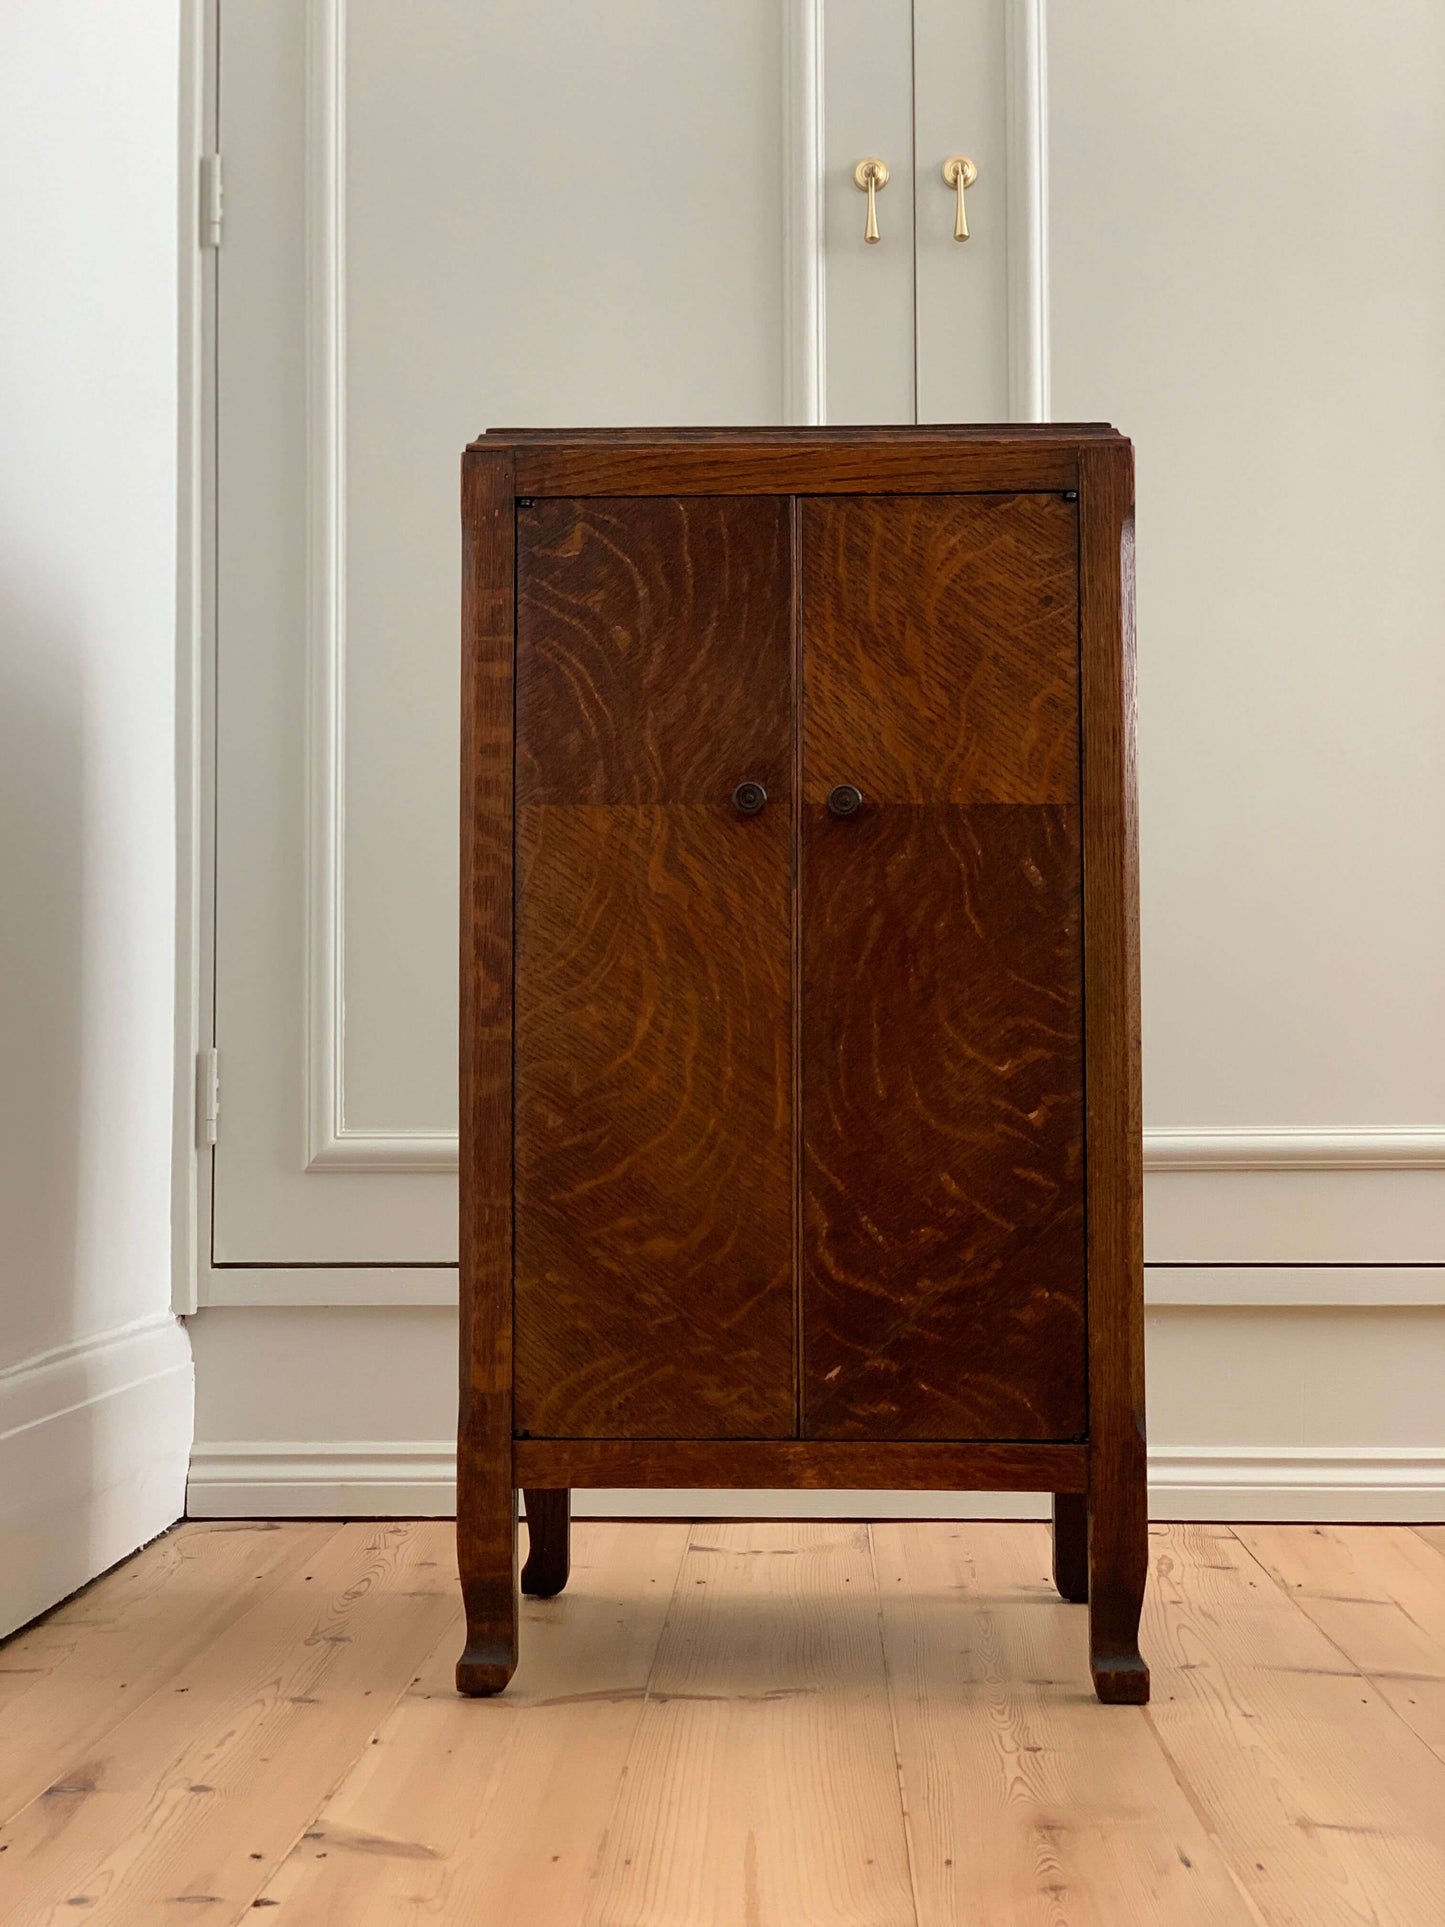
549,1542
1118,1565
487,1557
1071,1546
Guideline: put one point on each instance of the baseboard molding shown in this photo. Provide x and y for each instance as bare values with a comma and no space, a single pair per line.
236,1479
403,1286
1400,1485
94,1438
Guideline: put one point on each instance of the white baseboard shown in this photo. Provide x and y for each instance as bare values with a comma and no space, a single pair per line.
395,1286
94,1438
367,1479
238,1479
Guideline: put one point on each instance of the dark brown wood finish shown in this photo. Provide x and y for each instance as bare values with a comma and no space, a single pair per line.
941,648
841,435
931,943
549,1541
921,465
486,1502
943,1281
654,1227
1071,1545
1118,1496
751,1464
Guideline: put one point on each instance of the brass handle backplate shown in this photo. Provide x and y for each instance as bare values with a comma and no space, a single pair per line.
959,172
870,174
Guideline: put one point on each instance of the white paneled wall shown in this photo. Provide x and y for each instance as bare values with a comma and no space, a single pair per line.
1176,245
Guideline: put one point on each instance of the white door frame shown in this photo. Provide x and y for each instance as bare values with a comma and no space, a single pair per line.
195,656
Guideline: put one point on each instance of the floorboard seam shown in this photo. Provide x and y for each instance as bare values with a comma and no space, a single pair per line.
893,1730
615,1802
455,1630
268,1874
1198,1808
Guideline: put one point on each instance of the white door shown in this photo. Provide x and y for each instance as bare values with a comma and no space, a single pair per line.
472,212
462,213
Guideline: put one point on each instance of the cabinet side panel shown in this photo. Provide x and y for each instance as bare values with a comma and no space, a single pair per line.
654,1227
1111,975
486,1514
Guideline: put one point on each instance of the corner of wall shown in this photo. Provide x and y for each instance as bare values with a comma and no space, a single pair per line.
94,1442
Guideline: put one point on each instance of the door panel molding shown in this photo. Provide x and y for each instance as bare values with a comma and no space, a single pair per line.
805,343
331,1144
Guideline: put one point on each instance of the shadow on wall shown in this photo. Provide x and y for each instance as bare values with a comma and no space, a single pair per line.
42,1020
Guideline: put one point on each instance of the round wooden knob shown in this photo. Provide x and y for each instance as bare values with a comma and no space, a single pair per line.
749,798
845,800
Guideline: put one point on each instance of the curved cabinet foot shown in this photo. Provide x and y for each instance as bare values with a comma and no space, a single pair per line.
549,1542
1120,1679
485,1668
1071,1546
487,1556
1118,1566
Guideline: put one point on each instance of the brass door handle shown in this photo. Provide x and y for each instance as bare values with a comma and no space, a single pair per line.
959,172
870,174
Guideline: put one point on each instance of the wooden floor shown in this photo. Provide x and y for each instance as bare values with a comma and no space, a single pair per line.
785,1725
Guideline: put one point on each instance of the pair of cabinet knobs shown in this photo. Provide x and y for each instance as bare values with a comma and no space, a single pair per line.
843,799
871,174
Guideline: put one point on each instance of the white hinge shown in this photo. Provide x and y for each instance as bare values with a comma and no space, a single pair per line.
210,200
208,1095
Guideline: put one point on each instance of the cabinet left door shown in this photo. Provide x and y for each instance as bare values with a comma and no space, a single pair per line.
653,1241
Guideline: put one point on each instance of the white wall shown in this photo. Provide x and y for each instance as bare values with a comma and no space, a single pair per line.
95,1378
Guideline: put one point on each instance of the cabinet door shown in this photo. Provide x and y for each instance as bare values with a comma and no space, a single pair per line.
654,1221
941,1021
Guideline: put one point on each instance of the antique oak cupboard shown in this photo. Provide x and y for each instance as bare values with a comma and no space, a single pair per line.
800,1129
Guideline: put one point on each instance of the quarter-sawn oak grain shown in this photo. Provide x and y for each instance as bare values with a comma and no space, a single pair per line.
942,1099
941,648
826,1125
654,1232
943,1277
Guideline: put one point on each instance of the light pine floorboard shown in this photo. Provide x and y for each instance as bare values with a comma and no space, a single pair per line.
783,1725
1377,1593
1328,1806
1024,1803
104,1652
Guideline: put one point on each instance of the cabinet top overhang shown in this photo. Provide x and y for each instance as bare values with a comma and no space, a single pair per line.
1004,457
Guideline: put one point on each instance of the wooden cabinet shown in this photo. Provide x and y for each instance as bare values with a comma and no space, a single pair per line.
800,1112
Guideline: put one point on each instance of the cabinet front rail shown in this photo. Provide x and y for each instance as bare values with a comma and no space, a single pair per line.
764,1463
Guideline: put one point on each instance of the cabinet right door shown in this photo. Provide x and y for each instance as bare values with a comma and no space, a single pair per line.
942,1261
